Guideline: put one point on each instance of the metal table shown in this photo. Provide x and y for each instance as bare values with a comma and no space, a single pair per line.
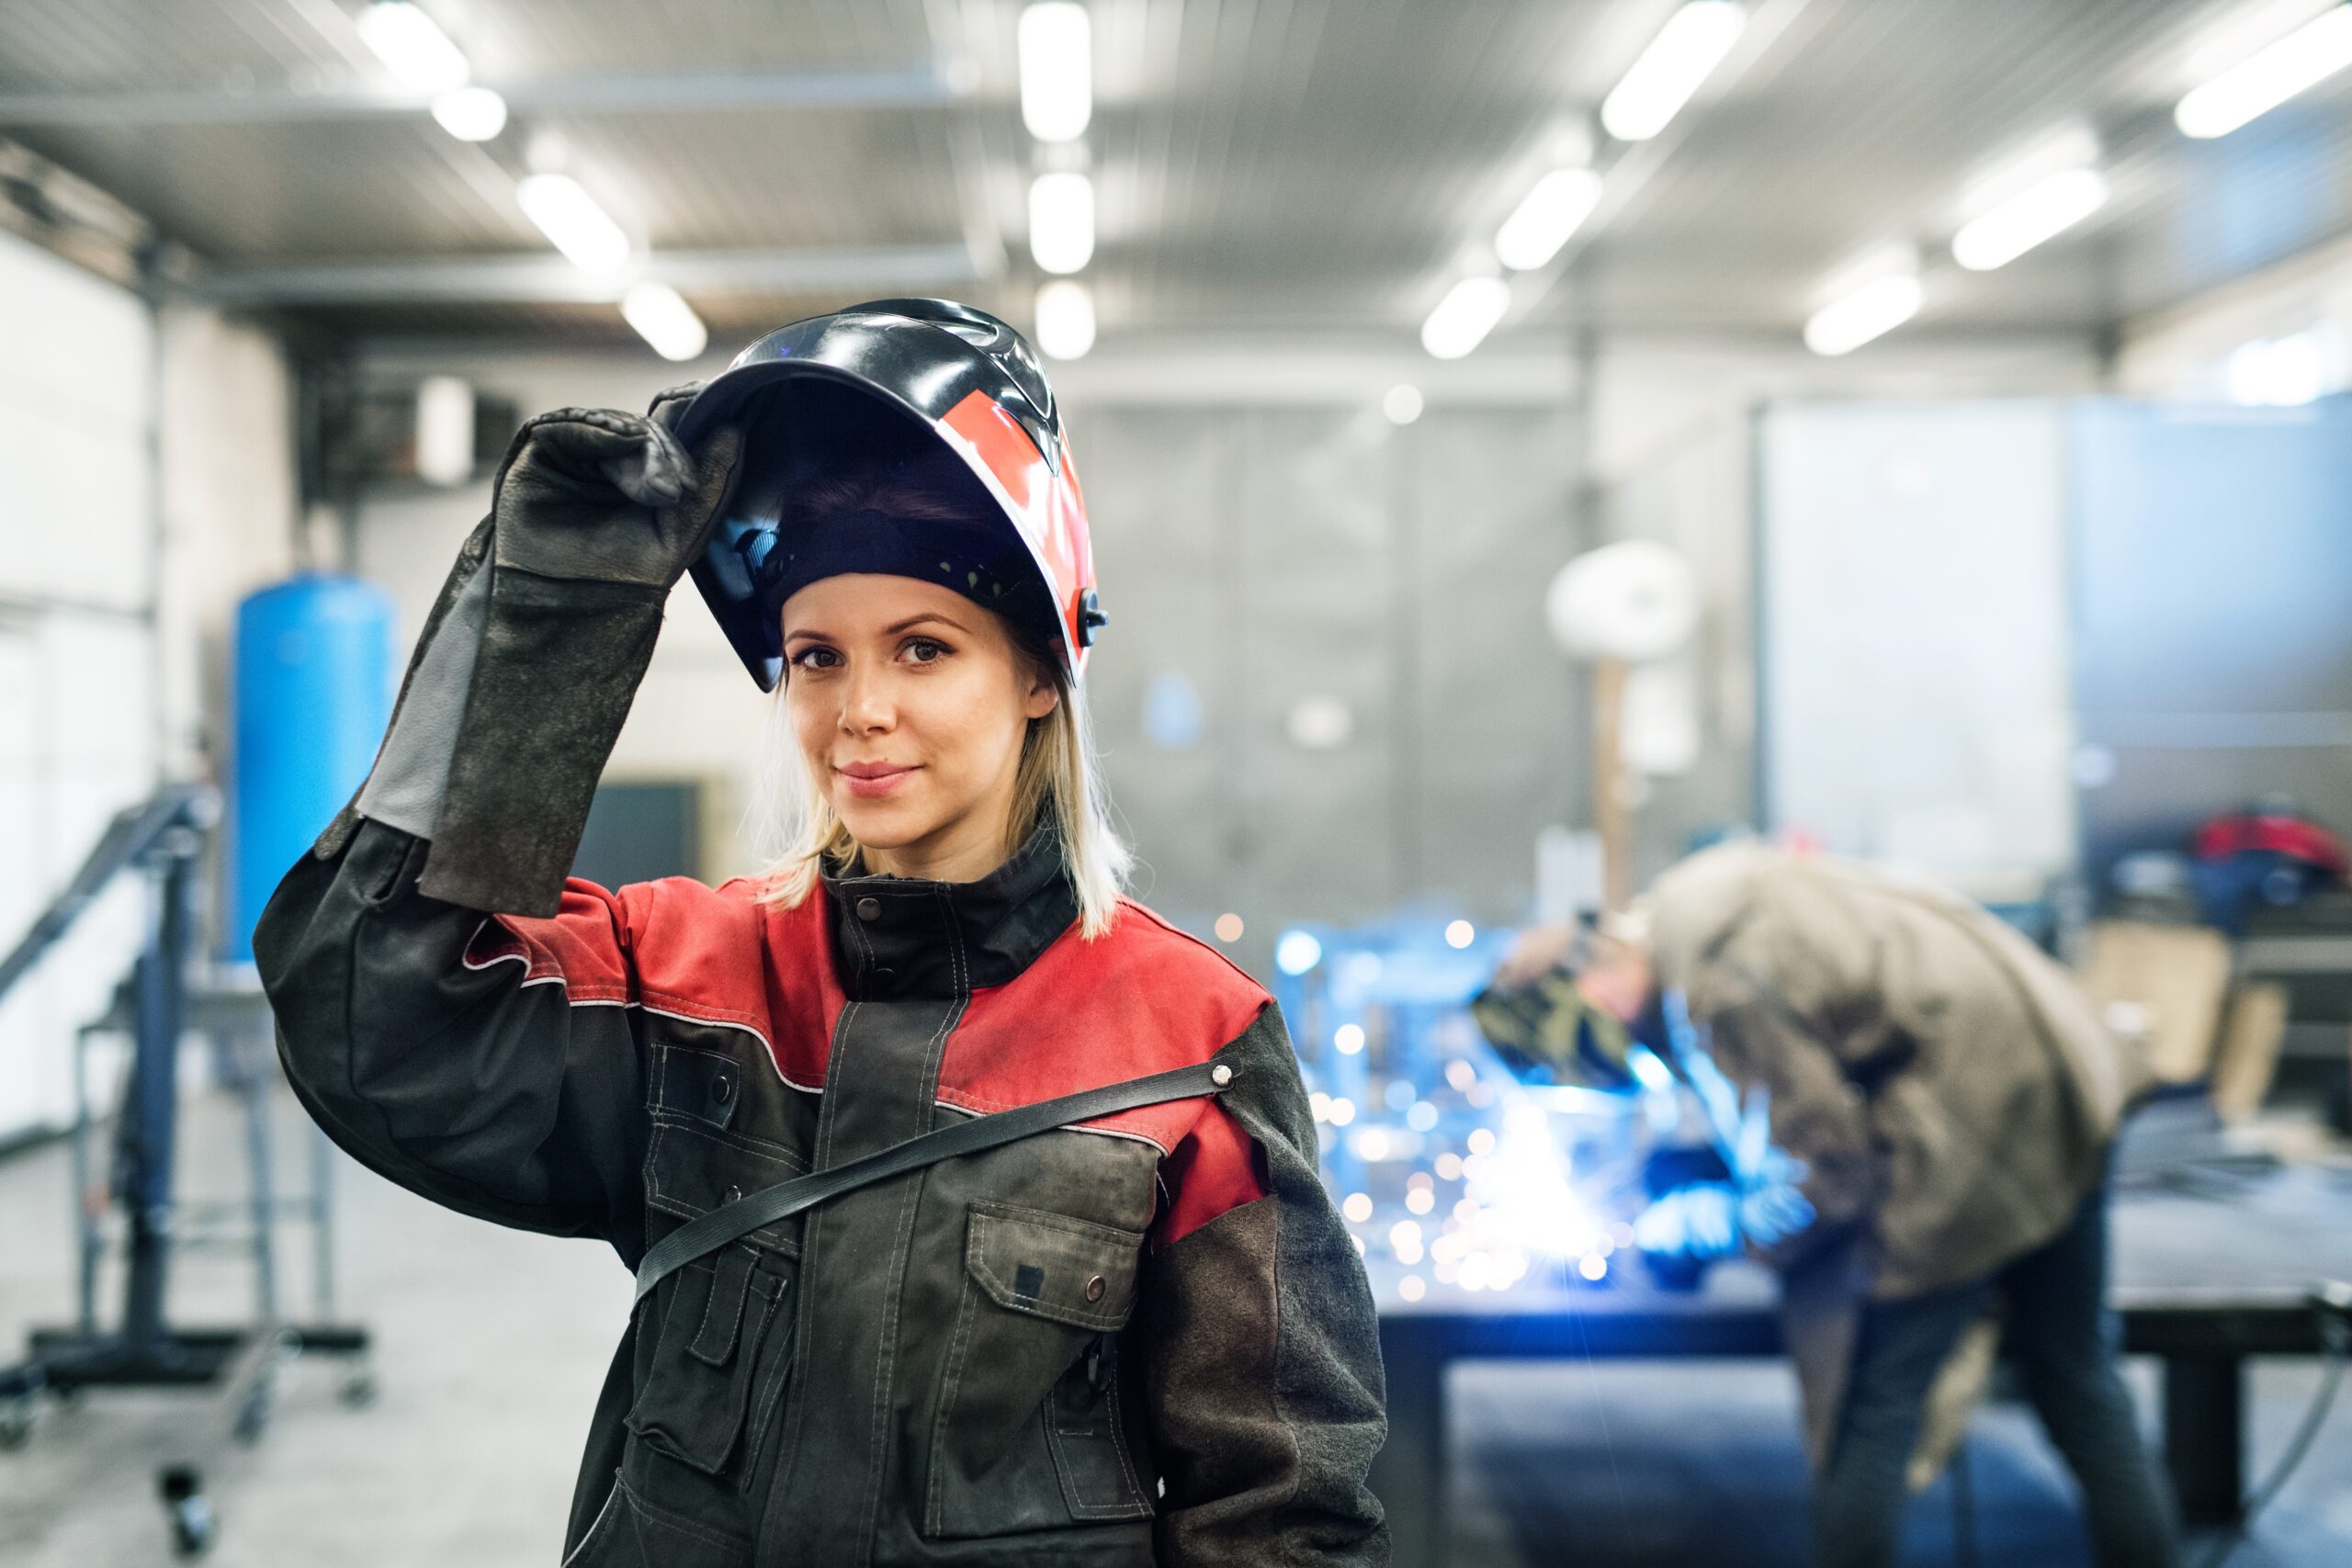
2202,1334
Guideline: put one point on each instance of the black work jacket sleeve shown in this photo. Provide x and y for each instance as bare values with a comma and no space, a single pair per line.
465,1083
1263,1354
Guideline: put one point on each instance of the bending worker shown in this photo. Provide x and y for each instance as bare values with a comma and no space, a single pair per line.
1941,1097
974,1210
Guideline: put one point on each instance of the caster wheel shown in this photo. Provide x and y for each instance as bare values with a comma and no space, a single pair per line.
359,1388
195,1528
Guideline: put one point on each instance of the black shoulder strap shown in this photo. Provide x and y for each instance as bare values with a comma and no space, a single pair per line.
709,1232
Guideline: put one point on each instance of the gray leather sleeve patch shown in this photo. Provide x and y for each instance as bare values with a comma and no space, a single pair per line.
412,774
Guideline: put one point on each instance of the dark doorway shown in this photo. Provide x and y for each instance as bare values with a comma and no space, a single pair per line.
638,832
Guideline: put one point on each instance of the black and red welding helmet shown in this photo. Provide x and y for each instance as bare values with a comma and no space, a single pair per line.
929,375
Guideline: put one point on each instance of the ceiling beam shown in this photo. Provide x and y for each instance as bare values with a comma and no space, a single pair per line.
693,93
543,277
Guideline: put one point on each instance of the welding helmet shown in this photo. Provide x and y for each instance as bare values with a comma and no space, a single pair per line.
1549,1022
929,378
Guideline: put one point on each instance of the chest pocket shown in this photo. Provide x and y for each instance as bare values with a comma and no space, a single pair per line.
723,1349
1029,1431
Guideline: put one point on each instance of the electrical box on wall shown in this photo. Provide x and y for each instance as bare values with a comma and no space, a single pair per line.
440,431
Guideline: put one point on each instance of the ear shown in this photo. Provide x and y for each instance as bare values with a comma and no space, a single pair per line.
1042,695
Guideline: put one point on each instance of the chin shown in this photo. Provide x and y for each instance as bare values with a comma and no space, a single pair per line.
884,824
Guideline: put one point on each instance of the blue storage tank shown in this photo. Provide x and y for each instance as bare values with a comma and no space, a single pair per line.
313,693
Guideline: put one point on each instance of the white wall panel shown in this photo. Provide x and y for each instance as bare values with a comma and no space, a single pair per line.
78,713
1915,672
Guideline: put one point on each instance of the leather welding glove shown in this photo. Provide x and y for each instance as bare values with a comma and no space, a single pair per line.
533,652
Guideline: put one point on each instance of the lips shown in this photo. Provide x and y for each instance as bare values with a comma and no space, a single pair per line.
871,781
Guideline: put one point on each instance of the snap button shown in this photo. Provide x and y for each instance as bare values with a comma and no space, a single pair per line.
722,1088
869,908
731,1194
1094,1289
1220,1075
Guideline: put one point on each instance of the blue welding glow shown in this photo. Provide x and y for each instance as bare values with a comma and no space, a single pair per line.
1764,1193
1526,1191
1648,1071
1297,951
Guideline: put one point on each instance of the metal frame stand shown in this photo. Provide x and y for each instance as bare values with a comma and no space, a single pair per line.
162,842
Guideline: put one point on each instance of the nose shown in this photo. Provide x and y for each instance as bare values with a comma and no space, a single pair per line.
866,708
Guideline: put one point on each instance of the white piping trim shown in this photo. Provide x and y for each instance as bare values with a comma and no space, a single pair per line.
1066,1127
727,1023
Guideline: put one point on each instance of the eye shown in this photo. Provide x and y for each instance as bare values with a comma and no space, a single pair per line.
817,656
926,650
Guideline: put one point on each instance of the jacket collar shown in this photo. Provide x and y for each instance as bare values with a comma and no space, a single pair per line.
898,938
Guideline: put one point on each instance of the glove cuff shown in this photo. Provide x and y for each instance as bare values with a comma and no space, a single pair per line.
558,669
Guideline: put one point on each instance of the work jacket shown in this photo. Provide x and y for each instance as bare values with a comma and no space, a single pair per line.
1147,1339
1950,1089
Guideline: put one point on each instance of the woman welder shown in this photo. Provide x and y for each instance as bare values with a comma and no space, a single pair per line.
1140,1337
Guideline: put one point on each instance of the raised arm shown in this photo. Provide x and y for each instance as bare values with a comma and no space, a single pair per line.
411,1027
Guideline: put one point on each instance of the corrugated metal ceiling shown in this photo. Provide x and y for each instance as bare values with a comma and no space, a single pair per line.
1261,164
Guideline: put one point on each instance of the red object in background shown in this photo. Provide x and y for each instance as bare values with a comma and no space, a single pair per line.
2307,841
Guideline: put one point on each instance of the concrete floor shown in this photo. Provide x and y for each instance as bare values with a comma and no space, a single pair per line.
490,1347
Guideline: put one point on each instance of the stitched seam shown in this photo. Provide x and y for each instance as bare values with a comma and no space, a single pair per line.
965,1099
1048,1220
678,1522
709,1305
775,1065
1076,1316
812,1229
1118,1434
991,1106
661,1081
784,1153
886,1363
764,1399
952,1385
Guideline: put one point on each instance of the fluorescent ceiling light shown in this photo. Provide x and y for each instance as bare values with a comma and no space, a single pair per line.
664,319
1870,310
1545,218
1057,48
1463,318
1065,319
2256,85
1061,221
572,222
1691,44
2047,208
445,430
413,46
470,113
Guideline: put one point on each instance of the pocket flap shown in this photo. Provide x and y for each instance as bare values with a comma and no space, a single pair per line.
1036,1261
690,1172
698,1084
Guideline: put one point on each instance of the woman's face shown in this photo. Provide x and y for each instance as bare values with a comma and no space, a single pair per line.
910,703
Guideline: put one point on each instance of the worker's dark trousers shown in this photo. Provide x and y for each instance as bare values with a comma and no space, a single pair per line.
2063,1338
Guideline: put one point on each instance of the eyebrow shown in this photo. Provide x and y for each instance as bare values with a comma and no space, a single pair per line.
891,630
896,627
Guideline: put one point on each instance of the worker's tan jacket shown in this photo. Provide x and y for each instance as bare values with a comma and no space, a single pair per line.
1950,1088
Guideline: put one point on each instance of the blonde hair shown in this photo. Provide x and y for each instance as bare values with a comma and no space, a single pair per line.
1058,779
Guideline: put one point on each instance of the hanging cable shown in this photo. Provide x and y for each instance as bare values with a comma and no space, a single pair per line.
2332,1305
